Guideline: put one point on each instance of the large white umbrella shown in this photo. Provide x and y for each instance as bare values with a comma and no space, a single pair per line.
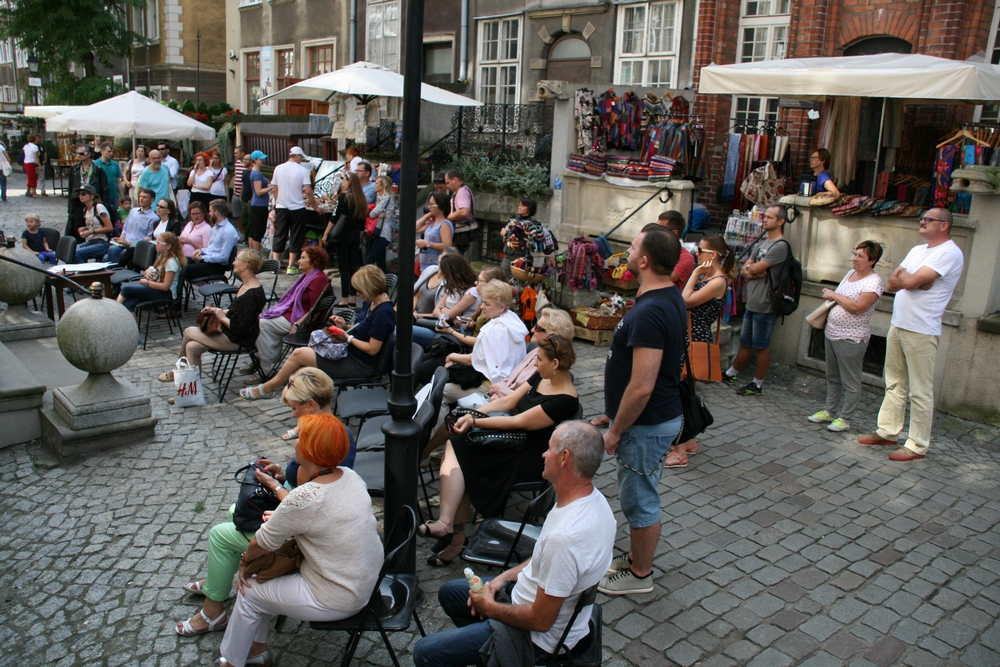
365,81
130,115
49,111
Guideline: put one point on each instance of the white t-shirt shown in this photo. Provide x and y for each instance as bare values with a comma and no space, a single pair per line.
290,177
452,300
918,310
842,325
219,182
30,153
572,553
203,182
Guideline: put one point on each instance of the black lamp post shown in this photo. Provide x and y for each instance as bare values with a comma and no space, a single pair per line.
402,433
33,71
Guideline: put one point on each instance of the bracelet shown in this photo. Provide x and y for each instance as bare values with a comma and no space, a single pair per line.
349,339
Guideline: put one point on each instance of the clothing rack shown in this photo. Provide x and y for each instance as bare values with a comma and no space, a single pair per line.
768,127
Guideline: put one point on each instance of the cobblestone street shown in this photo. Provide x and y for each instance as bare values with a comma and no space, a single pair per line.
783,543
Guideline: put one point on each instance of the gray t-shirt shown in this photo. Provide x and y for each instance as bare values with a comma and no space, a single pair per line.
774,253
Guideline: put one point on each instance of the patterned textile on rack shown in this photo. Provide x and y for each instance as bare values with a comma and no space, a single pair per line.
586,122
618,165
637,171
577,163
943,166
609,108
732,160
596,164
661,168
698,167
630,122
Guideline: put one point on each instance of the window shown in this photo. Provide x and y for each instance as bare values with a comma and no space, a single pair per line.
20,58
382,47
6,52
320,59
764,30
990,113
146,21
438,61
647,44
751,112
286,68
499,60
252,79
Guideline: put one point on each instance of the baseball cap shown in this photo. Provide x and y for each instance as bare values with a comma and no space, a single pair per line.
258,155
87,188
297,151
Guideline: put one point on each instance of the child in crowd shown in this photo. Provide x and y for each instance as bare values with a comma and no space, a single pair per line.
33,240
125,207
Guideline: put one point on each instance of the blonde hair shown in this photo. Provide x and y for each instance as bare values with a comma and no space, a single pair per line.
32,216
175,251
498,291
369,280
557,323
253,259
308,384
386,184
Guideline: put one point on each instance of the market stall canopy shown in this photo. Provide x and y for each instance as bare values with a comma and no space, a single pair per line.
49,111
130,115
365,81
895,75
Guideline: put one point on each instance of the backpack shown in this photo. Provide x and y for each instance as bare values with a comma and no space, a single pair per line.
20,158
785,295
116,221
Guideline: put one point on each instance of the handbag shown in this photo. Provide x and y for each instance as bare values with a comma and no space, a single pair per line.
464,376
326,347
339,230
697,416
493,437
443,345
705,357
286,560
371,224
209,323
817,318
187,384
254,499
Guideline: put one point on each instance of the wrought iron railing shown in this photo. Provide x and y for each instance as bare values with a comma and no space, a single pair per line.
492,128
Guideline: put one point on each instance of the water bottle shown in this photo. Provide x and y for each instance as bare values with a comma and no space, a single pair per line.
475,583
558,184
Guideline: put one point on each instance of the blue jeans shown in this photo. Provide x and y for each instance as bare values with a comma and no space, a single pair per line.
3,186
757,328
114,252
460,646
643,448
376,252
135,294
92,249
48,257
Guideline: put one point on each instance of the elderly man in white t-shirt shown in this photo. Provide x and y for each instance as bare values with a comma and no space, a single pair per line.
293,186
923,282
571,554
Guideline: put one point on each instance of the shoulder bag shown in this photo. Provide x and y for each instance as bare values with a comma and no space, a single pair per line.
326,347
697,416
817,318
209,323
705,357
254,499
486,436
286,560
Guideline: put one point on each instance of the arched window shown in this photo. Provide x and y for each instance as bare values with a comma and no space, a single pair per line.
569,60
882,44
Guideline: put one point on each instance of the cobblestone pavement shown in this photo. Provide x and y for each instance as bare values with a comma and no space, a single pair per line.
783,543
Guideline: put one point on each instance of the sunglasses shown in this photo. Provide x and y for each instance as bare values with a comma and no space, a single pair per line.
538,329
84,154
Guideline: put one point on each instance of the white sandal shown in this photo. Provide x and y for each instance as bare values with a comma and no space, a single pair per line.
291,434
184,628
248,393
195,587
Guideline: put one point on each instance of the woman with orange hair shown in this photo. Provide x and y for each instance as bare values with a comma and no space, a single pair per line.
200,179
330,516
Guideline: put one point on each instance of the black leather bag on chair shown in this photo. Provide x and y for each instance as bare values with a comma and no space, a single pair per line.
486,436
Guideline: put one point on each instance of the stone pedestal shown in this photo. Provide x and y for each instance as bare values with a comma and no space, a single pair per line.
99,413
20,400
20,323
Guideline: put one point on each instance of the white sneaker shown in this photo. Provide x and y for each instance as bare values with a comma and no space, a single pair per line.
623,562
623,582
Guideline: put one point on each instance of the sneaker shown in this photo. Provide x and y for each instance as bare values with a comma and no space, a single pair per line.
623,562
874,439
729,379
821,417
750,390
838,425
623,582
292,271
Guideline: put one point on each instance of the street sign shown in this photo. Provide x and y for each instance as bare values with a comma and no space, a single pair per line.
35,81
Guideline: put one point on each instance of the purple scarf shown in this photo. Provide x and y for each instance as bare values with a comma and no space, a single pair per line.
292,300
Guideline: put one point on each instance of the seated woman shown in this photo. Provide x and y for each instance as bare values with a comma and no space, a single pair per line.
310,392
239,324
458,299
170,220
552,322
330,516
374,325
484,475
197,231
160,278
287,315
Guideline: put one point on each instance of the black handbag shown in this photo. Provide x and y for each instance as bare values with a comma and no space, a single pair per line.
253,501
464,376
443,345
486,436
697,416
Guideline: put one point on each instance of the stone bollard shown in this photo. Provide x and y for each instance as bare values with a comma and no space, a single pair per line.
18,286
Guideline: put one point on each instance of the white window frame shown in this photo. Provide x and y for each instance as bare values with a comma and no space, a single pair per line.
20,57
767,109
6,52
770,17
499,70
146,22
991,112
250,3
643,56
382,47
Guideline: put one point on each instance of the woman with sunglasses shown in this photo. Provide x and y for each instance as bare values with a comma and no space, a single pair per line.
552,322
170,221
483,475
96,229
705,296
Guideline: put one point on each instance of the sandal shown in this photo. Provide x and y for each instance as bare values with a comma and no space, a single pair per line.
601,421
440,560
195,587
675,460
184,628
248,393
291,434
166,376
424,529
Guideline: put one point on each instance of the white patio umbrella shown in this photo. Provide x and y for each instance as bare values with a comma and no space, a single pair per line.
49,111
365,81
130,115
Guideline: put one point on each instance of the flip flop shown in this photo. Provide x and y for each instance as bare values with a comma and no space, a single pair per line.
674,460
184,628
195,587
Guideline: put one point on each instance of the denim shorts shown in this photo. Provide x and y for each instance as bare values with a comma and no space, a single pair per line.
641,453
757,328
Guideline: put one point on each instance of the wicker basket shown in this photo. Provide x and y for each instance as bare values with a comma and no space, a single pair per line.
524,276
589,320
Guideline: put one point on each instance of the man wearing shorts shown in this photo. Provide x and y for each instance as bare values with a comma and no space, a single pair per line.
294,191
759,319
644,406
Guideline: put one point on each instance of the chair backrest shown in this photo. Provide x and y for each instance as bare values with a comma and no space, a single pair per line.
537,508
386,355
348,314
145,255
181,277
51,237
316,317
391,279
416,357
274,266
232,258
586,599
406,520
66,249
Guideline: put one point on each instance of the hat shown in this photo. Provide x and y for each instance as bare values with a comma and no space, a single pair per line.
258,155
87,188
298,151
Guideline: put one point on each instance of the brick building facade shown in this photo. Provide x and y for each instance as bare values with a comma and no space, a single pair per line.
769,29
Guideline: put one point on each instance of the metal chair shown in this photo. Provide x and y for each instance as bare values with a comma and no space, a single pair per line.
390,285
393,601
224,366
370,400
144,257
172,304
215,291
52,237
501,543
382,368
588,651
215,278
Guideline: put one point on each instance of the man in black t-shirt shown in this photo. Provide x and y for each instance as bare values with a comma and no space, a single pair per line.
642,397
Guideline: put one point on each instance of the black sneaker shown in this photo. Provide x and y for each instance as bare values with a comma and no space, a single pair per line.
750,390
729,379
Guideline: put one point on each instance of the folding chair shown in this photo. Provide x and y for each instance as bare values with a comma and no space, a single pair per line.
144,257
501,543
587,652
173,307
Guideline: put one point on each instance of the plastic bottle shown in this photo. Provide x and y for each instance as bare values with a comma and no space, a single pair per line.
558,184
475,583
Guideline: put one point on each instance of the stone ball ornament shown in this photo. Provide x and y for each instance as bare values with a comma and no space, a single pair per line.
18,285
97,335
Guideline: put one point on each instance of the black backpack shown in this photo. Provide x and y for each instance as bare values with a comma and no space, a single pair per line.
785,294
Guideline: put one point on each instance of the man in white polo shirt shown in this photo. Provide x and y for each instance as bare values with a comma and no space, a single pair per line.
923,282
294,190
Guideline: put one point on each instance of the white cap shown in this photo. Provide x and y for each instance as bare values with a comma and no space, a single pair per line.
295,150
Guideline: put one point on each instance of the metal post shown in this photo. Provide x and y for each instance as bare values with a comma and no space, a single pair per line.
197,74
402,433
458,143
503,129
878,149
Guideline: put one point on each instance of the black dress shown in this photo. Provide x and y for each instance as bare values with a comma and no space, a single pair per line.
491,472
244,317
705,315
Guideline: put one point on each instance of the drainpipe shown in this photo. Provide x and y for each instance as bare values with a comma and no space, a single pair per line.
463,44
352,38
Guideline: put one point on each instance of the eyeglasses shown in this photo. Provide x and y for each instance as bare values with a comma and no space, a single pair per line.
927,219
481,280
162,243
538,329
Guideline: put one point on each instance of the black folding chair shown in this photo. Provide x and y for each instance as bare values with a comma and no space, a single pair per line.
501,543
216,291
370,399
587,652
214,278
172,305
144,257
224,366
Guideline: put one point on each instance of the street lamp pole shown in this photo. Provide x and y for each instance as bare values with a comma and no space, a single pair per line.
33,71
402,433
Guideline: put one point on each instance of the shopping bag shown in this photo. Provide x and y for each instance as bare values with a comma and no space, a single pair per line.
187,383
5,165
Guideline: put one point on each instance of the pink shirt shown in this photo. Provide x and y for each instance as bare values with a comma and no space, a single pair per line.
521,374
201,234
